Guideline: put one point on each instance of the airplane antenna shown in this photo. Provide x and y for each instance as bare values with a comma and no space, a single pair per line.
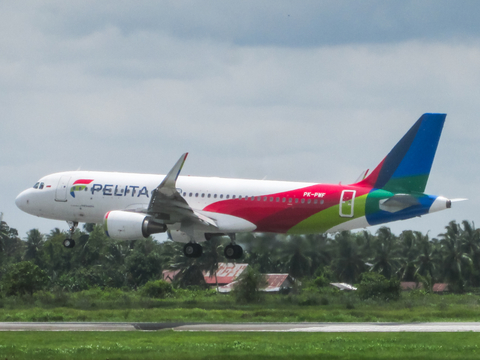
1,217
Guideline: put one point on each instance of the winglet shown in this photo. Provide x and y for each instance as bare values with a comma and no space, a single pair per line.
168,184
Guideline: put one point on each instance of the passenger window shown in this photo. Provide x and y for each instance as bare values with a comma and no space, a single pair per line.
277,199
309,201
321,201
252,198
315,201
264,198
227,197
209,195
303,201
290,200
284,199
233,196
221,196
203,195
36,185
296,201
196,194
190,194
271,198
215,196
184,194
259,198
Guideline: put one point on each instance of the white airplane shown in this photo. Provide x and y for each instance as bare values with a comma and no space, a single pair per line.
193,209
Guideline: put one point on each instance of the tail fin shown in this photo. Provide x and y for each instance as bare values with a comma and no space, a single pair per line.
406,168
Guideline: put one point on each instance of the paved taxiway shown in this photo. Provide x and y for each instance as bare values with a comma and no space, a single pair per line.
275,327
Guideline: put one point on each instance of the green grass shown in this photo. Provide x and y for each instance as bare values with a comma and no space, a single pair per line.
246,314
120,306
179,345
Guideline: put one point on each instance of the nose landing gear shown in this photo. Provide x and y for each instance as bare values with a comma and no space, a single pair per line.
69,242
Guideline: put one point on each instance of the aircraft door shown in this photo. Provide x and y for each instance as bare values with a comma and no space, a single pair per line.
347,201
61,192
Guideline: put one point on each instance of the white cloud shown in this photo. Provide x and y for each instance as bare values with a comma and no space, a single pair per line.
95,86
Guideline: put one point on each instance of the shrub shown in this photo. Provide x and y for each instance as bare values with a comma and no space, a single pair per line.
376,286
157,289
249,283
24,278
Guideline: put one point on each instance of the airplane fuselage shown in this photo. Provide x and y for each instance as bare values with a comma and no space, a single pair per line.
270,206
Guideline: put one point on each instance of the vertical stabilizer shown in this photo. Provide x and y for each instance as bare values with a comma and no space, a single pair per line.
407,167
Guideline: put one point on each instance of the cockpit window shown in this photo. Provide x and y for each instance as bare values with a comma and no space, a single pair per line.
41,186
36,185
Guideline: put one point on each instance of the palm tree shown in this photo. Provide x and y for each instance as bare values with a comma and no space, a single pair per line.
212,255
428,256
456,263
386,260
35,242
319,250
409,245
296,262
348,262
471,246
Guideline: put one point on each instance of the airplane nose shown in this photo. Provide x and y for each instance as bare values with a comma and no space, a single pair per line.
22,200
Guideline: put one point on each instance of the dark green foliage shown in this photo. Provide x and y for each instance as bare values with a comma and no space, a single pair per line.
192,276
316,260
158,289
249,283
376,286
23,278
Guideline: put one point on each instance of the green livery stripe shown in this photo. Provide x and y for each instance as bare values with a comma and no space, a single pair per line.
372,204
328,218
407,184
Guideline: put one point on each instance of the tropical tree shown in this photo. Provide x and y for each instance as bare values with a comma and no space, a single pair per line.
456,263
386,260
347,262
428,256
35,242
212,256
294,257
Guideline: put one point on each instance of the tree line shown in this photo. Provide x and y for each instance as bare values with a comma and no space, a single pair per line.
452,257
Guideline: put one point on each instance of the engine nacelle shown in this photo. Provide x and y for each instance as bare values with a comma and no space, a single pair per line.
125,225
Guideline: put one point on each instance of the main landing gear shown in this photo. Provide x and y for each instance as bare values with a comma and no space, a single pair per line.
192,250
69,242
233,251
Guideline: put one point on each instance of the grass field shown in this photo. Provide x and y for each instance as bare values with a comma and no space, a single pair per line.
98,305
245,314
179,345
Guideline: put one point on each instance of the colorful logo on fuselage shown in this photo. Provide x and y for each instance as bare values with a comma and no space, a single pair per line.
79,185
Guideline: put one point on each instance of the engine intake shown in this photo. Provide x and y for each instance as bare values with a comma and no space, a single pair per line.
125,225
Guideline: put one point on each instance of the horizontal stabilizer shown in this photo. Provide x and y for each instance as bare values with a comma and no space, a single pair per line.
398,202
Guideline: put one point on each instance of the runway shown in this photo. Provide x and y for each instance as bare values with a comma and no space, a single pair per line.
251,327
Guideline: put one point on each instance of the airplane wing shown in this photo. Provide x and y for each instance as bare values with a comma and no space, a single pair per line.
168,206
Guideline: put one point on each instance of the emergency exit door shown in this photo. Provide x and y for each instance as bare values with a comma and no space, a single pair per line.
347,201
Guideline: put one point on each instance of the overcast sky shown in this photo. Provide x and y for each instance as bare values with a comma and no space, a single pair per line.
313,91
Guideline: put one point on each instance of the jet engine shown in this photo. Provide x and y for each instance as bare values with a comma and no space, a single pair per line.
125,225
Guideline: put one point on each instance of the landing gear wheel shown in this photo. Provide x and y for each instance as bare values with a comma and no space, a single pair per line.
233,251
238,251
192,250
69,243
